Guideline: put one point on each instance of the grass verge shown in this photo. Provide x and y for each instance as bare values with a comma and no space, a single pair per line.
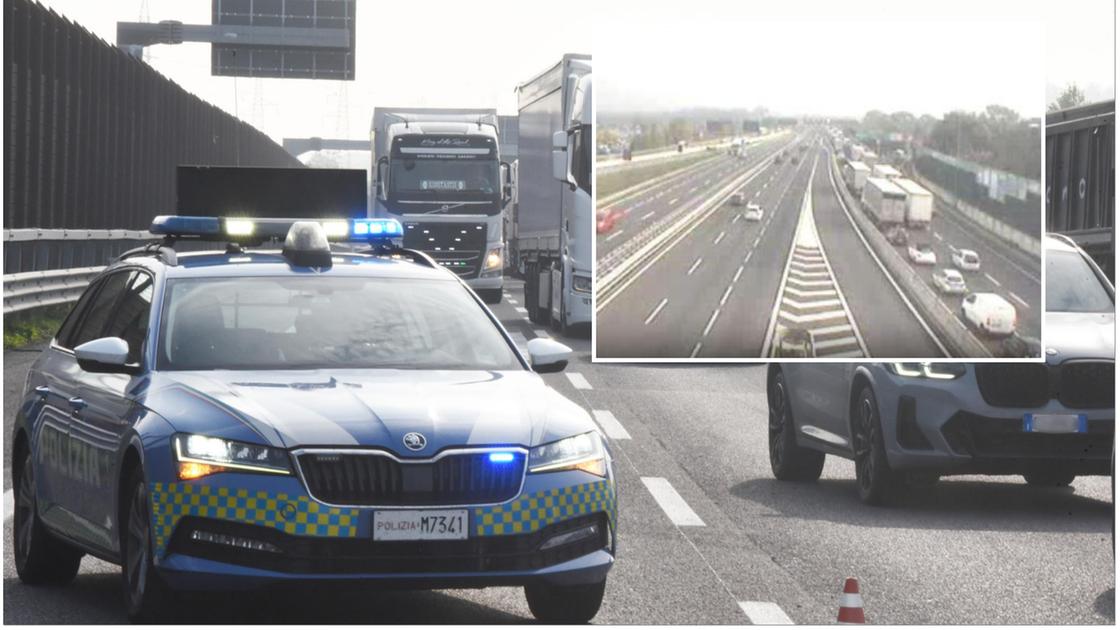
38,324
622,178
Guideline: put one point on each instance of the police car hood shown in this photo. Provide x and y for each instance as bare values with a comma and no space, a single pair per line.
349,408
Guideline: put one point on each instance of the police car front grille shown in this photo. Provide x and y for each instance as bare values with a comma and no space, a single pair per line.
341,478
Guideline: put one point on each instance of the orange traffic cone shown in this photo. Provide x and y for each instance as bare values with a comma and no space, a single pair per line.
851,604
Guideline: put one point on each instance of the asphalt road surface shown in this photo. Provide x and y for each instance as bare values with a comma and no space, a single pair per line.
970,550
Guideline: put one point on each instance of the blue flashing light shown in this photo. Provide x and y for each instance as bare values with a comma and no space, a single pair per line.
501,458
177,225
377,228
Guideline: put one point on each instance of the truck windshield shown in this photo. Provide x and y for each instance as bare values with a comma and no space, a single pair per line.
1073,287
286,323
444,179
581,160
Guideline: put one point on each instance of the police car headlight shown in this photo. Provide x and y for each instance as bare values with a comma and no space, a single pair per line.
580,452
936,371
581,284
200,455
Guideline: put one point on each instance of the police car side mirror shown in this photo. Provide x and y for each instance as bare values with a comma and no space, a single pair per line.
547,356
107,355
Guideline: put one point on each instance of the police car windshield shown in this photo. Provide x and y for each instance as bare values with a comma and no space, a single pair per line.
1072,286
316,322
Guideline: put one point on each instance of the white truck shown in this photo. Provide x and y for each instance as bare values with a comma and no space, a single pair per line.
553,222
919,203
885,201
855,175
439,172
886,171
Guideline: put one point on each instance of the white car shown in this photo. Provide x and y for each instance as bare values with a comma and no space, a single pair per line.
949,281
989,312
739,198
966,259
753,212
921,254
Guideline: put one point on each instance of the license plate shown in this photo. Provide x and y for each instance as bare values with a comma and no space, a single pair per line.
419,524
1055,423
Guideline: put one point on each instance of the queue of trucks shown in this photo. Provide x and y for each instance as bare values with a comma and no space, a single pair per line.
886,195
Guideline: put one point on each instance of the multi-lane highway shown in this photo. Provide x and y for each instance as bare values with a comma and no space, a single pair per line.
717,286
708,536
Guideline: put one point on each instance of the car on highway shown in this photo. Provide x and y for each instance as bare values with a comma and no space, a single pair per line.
605,220
897,235
312,412
739,198
949,281
921,254
966,260
753,212
989,312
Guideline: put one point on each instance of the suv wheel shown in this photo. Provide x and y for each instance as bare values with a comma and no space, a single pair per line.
40,557
878,484
565,604
147,598
788,461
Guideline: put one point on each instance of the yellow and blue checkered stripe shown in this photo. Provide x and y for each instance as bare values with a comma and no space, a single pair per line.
531,512
299,515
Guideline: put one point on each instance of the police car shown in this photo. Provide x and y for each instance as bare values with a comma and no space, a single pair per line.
259,415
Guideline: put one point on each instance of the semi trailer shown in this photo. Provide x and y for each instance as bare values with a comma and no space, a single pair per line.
919,203
885,201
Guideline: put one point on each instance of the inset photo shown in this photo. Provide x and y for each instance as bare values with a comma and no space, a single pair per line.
819,181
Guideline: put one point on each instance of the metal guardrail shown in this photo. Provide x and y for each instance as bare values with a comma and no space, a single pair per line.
32,289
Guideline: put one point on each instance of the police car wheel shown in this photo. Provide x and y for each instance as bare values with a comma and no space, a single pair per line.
40,557
1054,478
878,484
565,604
788,461
146,596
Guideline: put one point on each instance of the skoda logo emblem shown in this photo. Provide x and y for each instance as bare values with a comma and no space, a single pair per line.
415,441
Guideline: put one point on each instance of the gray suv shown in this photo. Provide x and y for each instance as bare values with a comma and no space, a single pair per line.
905,423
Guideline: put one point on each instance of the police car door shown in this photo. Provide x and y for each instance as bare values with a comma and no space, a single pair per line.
97,429
64,483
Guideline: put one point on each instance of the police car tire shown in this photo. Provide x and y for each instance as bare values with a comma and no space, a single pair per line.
882,485
565,604
156,600
1055,478
48,560
791,462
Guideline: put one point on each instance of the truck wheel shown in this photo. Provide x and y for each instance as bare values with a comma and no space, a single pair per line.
490,296
878,484
788,461
147,598
40,557
532,290
565,604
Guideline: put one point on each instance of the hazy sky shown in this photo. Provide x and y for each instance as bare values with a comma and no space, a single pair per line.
419,53
845,57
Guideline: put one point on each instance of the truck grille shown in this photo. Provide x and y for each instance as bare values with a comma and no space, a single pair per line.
457,246
1075,384
342,478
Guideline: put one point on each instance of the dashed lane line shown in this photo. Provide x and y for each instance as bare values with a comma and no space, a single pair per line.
696,264
765,614
672,503
711,322
521,342
610,424
614,236
674,200
991,279
647,215
520,310
578,381
541,333
719,238
653,314
1018,299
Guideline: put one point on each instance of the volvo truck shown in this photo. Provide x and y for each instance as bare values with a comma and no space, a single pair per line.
553,226
440,173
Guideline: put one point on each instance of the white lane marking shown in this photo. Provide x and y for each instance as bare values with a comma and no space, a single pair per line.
657,310
577,380
674,200
719,238
711,321
756,240
520,310
1018,299
671,502
696,349
647,215
707,181
520,341
615,235
541,333
991,279
511,300
765,614
695,265
610,424
723,300
9,504
737,274
937,236
736,218
692,190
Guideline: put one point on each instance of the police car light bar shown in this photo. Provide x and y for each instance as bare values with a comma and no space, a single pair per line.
259,230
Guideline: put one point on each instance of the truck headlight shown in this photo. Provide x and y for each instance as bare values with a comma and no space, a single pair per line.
580,452
581,283
936,371
200,455
493,259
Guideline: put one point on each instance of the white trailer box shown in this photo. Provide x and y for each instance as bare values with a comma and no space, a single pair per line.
886,171
884,200
553,221
870,158
919,203
855,175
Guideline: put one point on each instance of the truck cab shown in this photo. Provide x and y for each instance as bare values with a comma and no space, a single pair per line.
441,176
